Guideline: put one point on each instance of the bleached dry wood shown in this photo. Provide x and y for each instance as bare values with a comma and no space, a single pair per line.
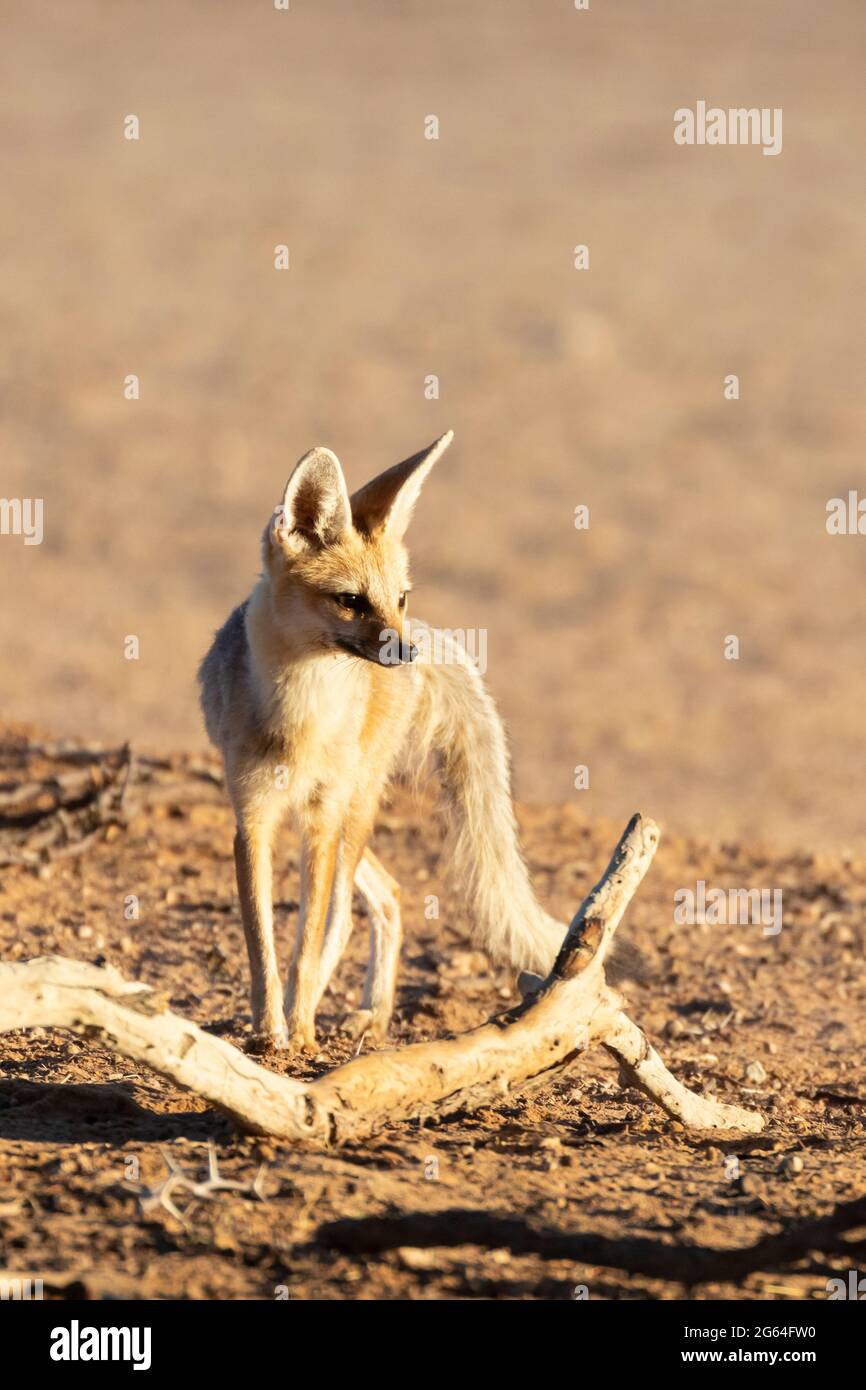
642,1067
573,1008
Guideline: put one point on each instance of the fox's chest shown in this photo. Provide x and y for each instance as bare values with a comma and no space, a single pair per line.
318,719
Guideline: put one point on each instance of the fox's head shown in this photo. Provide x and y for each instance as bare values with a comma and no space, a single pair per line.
337,566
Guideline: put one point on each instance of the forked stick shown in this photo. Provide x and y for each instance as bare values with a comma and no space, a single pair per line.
573,1008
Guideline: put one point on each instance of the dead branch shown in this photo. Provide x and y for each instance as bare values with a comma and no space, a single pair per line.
688,1264
574,1008
59,815
152,1198
63,812
88,754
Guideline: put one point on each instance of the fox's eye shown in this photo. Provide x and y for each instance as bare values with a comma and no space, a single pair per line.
402,601
353,601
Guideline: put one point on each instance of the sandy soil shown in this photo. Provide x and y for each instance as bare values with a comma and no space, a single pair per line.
454,257
79,1128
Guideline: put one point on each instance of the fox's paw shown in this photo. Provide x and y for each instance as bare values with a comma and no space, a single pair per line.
303,1041
362,1023
259,1043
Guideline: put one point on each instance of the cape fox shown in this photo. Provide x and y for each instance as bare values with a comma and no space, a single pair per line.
315,693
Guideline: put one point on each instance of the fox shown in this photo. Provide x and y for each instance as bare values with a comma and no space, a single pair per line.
317,691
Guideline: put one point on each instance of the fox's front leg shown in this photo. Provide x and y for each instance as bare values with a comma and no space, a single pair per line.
318,863
254,874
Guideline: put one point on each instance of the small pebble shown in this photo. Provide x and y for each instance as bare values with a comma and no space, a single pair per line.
792,1163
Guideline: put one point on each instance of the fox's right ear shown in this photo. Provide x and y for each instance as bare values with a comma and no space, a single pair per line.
385,504
315,509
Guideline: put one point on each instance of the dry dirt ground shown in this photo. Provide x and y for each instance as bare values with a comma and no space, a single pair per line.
80,1129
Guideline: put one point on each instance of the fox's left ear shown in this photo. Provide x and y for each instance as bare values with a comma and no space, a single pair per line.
386,503
315,507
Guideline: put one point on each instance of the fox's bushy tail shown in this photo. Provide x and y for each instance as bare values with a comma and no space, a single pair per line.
460,726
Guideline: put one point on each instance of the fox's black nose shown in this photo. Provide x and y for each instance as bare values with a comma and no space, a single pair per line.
408,652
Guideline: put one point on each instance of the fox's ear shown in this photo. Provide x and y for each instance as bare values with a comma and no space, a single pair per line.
315,506
385,503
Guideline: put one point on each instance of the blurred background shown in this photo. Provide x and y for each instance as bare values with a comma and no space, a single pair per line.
453,257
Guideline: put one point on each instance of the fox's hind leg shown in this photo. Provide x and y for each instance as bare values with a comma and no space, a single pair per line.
381,893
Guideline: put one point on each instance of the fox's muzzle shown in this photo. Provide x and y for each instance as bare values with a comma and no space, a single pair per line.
390,650
394,649
408,653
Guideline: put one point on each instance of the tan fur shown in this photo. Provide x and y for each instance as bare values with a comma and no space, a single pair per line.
310,722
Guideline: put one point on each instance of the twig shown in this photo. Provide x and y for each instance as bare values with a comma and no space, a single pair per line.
151,1198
